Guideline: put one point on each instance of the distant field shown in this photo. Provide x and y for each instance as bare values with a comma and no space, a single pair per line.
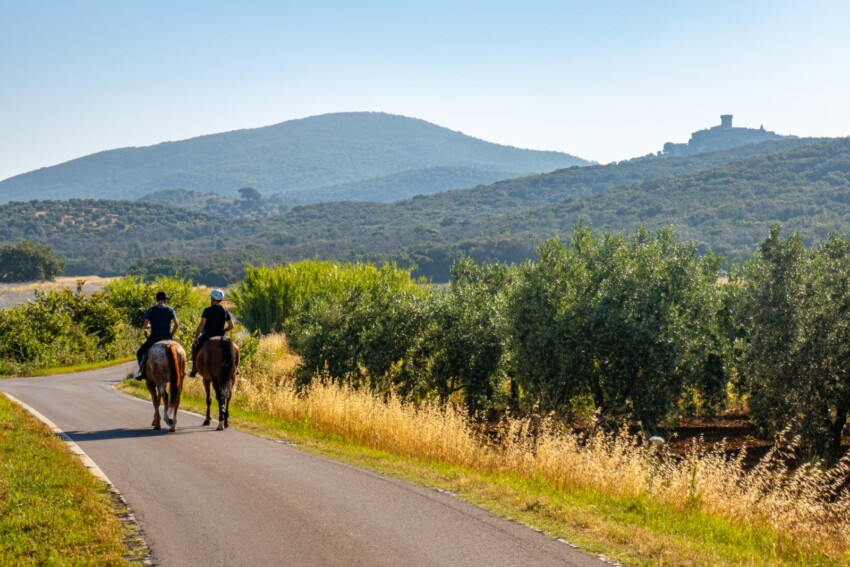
17,293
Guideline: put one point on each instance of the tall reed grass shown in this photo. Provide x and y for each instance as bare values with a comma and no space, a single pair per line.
269,295
806,504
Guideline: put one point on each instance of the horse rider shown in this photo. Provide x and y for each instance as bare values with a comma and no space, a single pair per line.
163,323
215,321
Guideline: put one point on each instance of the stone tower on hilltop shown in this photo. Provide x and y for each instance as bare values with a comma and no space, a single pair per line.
722,137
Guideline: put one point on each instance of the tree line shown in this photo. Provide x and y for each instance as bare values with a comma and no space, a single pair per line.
612,327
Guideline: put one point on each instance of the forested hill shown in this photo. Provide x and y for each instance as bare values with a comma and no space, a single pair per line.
104,237
728,209
727,206
429,217
305,155
395,187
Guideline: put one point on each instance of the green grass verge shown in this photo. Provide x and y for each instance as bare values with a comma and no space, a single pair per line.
52,510
632,531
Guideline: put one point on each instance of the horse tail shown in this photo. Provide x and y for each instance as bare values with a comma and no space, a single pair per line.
175,378
225,376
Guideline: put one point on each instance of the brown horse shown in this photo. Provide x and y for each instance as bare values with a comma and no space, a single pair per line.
165,369
217,362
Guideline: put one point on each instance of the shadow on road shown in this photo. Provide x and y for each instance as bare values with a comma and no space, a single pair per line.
108,434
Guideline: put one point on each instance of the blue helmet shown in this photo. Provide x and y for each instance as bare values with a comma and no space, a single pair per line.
217,294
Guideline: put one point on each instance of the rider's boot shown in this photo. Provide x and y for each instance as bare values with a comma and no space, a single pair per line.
140,373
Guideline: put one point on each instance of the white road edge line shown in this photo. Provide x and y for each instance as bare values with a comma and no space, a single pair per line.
72,445
87,461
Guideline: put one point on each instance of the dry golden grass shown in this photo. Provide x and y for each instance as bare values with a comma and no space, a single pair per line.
17,293
803,504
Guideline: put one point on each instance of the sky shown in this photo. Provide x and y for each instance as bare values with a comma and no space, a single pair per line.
605,80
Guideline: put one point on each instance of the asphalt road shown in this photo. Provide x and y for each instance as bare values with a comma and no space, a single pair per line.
206,497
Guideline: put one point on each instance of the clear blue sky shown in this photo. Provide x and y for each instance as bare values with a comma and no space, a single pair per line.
602,79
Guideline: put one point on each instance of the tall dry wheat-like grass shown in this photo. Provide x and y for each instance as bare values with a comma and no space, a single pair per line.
806,504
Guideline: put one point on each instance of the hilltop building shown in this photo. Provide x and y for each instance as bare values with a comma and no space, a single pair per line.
721,137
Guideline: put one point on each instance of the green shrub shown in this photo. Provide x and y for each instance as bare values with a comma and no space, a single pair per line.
362,325
269,296
60,327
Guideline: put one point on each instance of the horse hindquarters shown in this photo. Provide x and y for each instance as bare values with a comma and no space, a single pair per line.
176,370
217,362
230,361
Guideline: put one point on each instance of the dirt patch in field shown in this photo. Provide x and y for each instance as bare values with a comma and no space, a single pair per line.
732,433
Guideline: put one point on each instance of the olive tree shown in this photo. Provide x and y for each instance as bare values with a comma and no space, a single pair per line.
629,321
468,345
548,340
796,339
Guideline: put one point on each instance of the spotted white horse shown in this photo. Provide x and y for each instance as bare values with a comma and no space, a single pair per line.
165,369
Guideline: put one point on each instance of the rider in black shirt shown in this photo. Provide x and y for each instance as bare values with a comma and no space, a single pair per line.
215,321
163,323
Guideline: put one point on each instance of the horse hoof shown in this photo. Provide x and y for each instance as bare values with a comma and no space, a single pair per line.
226,425
157,426
220,427
206,422
172,428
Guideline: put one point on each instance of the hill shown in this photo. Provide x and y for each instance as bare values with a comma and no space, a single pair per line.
305,155
724,200
728,209
397,186
802,184
438,218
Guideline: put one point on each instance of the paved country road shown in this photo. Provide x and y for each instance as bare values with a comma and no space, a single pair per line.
206,497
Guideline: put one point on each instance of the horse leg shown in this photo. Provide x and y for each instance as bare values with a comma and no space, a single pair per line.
221,410
207,388
226,411
165,398
175,403
155,399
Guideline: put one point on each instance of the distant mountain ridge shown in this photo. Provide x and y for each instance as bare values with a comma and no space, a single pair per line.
298,155
724,200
